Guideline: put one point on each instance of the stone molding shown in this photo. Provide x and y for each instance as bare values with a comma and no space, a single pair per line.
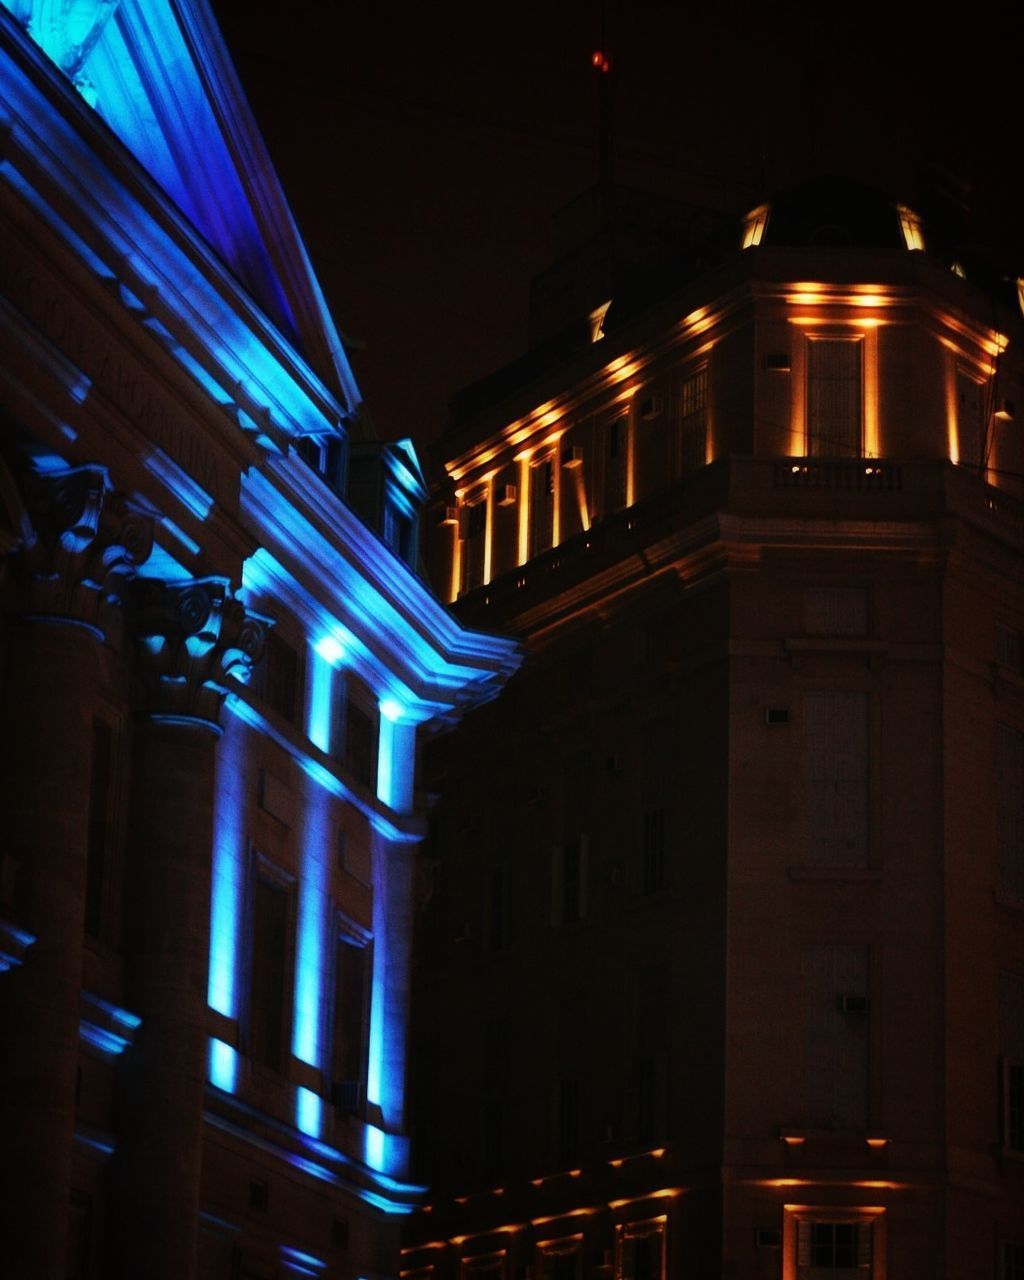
194,636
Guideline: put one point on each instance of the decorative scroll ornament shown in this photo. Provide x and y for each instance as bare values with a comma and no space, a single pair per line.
88,543
194,637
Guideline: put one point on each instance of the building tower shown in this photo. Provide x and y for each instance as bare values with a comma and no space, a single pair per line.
215,659
722,953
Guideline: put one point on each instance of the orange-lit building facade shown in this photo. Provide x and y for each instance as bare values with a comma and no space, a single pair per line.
722,939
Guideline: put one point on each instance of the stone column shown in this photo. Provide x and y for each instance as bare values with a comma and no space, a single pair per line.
191,635
67,583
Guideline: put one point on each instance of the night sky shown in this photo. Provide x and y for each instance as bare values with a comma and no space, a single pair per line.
424,149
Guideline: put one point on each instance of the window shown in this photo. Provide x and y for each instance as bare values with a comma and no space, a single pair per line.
569,887
1011,1050
836,772
640,1250
276,679
833,1244
616,464
485,1266
474,539
693,421
98,832
542,505
971,419
351,1021
498,932
493,1139
653,870
1010,810
560,1259
268,964
567,1122
834,408
836,611
836,1036
360,737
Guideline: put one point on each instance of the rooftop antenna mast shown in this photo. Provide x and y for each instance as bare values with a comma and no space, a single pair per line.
601,61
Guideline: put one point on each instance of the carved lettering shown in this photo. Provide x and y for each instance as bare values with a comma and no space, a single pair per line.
60,319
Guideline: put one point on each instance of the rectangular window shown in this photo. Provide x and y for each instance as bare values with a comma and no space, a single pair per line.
493,1135
474,540
833,1247
498,932
542,505
836,772
569,882
567,1127
640,1250
1010,810
98,834
616,464
560,1259
268,974
834,398
1011,1049
836,1036
1012,1260
486,1266
276,678
970,419
653,870
360,740
836,611
693,421
351,1022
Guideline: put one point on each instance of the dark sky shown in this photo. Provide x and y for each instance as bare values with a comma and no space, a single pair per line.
425,148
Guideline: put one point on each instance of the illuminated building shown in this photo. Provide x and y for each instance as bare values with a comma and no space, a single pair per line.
722,967
215,660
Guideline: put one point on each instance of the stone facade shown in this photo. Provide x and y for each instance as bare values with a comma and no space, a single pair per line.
215,669
722,963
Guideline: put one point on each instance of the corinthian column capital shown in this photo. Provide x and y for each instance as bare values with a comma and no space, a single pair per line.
87,542
194,635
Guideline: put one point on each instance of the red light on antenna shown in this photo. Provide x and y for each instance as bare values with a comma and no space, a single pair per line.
598,60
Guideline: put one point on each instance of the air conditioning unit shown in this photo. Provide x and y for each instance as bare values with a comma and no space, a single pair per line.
652,407
853,1004
507,495
778,360
463,932
1005,410
613,763
535,795
573,457
347,1096
776,715
448,515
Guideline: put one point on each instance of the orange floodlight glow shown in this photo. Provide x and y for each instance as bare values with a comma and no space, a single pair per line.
665,1193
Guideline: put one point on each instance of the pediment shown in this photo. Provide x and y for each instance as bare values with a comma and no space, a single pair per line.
158,74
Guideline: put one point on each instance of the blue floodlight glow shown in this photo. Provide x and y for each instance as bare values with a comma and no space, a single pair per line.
320,706
396,763
222,1069
390,709
310,948
229,862
305,1263
308,1111
373,1147
180,483
331,649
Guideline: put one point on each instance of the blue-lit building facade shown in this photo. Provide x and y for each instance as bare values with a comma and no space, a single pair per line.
217,661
